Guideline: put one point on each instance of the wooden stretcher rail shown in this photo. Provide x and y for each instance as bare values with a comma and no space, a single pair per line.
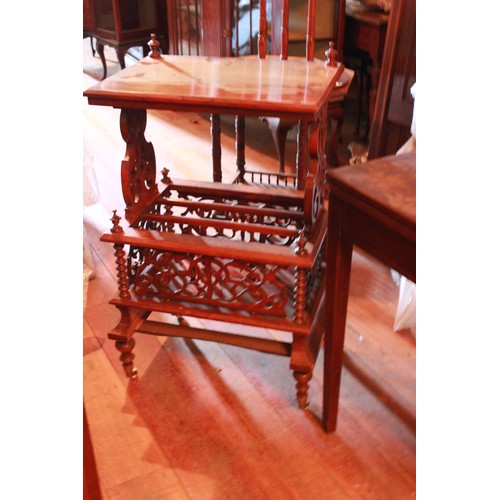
206,245
278,213
221,224
249,342
213,314
242,192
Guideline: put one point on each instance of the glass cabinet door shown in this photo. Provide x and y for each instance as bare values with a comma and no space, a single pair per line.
124,20
137,14
104,16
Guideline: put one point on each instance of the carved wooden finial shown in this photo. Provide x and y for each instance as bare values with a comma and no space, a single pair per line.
165,179
300,249
154,44
331,55
116,223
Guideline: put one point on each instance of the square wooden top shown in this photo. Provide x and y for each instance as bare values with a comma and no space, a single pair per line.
292,88
385,187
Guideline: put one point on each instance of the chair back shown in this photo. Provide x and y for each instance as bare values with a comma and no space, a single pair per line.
285,28
393,112
267,26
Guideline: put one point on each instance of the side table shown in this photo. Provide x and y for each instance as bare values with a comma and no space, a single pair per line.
373,207
249,252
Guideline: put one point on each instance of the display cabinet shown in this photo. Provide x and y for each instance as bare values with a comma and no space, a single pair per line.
123,24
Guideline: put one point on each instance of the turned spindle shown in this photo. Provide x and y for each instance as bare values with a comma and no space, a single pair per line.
127,357
302,387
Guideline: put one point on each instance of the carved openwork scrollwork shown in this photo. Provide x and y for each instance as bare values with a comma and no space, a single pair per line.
228,283
218,216
139,165
315,181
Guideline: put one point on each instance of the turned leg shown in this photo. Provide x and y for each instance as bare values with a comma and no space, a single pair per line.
300,359
130,321
216,148
127,356
302,387
239,124
302,156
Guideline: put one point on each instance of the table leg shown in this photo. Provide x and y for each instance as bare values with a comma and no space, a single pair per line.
302,157
339,258
239,124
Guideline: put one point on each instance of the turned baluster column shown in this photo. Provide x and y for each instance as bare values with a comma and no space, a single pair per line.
239,124
124,346
302,377
302,158
216,147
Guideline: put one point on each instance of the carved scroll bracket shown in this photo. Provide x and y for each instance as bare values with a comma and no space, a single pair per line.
138,170
318,171
314,188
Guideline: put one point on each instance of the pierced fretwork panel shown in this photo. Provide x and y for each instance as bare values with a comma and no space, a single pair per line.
220,216
227,283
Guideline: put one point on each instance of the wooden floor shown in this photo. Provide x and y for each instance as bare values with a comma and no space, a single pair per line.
206,421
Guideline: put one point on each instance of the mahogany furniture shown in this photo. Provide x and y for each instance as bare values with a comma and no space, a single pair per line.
88,22
394,106
280,127
200,27
248,253
364,38
233,27
123,24
371,206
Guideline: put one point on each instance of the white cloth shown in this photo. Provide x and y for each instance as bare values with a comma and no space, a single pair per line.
90,197
407,303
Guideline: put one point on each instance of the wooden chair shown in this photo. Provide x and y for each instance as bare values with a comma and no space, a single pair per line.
277,43
230,253
280,128
394,104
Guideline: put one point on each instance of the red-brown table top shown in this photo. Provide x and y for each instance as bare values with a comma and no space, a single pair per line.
387,184
221,85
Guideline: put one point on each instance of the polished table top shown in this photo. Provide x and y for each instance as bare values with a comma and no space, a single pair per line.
295,87
387,187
